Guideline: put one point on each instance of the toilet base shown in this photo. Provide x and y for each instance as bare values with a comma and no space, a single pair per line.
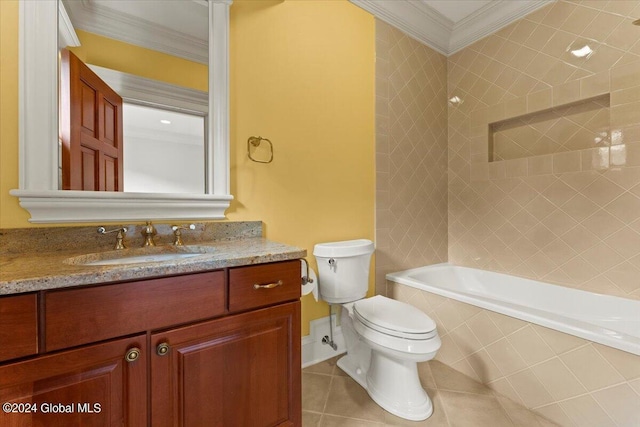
351,368
393,384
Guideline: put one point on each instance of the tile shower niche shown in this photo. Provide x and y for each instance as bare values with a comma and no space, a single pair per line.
577,126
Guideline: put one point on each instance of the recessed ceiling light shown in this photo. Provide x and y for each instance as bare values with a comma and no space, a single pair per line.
165,122
583,52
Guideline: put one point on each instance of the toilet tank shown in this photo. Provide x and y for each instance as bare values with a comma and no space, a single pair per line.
343,270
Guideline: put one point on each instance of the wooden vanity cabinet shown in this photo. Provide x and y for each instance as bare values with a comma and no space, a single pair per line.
18,326
97,385
239,370
197,363
236,371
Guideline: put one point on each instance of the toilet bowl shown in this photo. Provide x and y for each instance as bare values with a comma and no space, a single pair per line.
385,338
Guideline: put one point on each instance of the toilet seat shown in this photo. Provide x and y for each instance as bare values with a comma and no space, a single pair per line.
394,318
396,326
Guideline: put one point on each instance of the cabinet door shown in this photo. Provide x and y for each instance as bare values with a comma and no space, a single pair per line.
240,371
90,386
18,326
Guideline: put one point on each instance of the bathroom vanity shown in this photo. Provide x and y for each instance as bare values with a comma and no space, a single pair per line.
211,340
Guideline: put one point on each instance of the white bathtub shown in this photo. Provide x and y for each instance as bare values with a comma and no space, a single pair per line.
608,320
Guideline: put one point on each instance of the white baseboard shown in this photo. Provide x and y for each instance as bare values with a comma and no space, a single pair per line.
313,350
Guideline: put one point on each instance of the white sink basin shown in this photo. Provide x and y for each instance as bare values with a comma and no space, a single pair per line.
140,255
143,258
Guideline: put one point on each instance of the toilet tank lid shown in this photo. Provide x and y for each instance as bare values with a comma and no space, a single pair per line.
345,248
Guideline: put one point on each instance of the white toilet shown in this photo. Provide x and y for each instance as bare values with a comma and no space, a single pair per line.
385,338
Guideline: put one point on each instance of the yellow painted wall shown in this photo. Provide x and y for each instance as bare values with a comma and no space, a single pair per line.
302,75
11,214
127,58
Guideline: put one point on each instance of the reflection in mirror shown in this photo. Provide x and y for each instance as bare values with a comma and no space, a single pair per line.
164,39
38,191
162,148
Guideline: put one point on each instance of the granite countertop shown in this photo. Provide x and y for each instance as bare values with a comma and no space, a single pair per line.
54,267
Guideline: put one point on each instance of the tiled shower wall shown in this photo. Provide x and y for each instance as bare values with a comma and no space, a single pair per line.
572,217
411,154
566,212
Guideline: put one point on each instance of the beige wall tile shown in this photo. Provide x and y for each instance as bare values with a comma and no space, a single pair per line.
492,223
595,85
449,352
516,107
567,162
584,411
621,403
505,356
625,363
484,366
595,159
592,369
550,77
566,93
484,329
625,96
516,168
530,346
539,101
625,76
559,342
557,379
530,389
625,114
465,340
540,165
411,147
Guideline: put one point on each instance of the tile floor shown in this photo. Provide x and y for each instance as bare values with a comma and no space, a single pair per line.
331,398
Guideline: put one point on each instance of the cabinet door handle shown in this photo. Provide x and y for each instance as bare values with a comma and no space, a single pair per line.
132,354
268,285
162,349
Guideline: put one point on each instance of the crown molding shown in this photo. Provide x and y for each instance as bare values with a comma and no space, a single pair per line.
425,24
489,19
91,17
416,19
142,90
67,36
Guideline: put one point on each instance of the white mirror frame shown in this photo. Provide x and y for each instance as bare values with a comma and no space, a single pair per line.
38,148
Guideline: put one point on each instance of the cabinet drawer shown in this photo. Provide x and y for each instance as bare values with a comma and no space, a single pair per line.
18,326
83,315
264,284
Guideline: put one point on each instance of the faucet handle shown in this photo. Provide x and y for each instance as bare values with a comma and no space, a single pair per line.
177,232
148,232
119,236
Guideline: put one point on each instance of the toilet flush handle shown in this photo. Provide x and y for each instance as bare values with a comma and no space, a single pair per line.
332,263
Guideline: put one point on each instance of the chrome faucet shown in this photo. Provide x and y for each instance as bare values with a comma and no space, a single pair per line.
148,232
119,236
177,232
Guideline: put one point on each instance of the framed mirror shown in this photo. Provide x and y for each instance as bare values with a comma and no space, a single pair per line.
38,192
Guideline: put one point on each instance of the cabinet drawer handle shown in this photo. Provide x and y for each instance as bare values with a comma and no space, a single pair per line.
132,354
269,285
162,349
